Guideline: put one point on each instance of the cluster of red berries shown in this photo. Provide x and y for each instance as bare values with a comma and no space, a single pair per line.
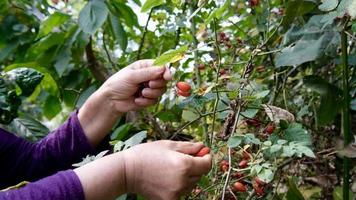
254,3
224,39
240,185
267,131
183,89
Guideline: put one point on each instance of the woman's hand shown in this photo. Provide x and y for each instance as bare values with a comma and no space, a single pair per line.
158,171
117,95
164,169
122,88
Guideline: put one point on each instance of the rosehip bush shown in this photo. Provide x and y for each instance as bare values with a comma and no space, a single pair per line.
268,86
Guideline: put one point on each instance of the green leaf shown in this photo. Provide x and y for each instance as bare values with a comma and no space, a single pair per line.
49,41
27,79
330,98
51,107
249,113
85,95
189,115
55,20
29,127
262,94
354,27
135,140
266,175
328,5
171,56
303,51
251,139
93,16
121,132
118,32
293,192
149,4
353,104
296,133
297,8
305,150
217,13
234,141
338,193
48,82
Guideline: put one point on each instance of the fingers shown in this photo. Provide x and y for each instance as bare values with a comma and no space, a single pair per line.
189,148
167,74
153,93
145,74
201,165
158,83
143,102
142,64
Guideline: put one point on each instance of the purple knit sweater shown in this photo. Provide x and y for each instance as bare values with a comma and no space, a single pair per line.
41,163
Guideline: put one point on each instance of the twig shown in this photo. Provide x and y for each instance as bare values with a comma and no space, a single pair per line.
144,36
195,46
193,121
216,83
107,52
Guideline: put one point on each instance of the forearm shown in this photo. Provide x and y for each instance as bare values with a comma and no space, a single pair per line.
104,178
97,117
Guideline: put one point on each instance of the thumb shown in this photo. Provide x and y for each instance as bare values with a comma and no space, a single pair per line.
146,74
190,148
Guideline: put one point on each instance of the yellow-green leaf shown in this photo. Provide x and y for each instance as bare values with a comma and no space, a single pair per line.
149,4
171,56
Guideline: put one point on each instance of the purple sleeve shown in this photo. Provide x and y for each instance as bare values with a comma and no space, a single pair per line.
60,186
24,161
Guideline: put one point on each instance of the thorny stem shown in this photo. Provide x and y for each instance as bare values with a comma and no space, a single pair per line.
345,113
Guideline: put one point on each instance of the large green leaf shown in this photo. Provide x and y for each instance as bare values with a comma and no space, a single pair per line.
48,82
149,4
303,51
55,20
338,193
293,192
29,127
51,107
331,96
171,56
27,79
296,133
328,5
297,8
315,39
93,16
118,32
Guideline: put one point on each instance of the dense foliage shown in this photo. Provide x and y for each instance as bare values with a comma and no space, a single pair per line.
273,83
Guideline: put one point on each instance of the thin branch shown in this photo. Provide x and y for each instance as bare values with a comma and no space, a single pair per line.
193,30
107,52
216,82
193,121
139,51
